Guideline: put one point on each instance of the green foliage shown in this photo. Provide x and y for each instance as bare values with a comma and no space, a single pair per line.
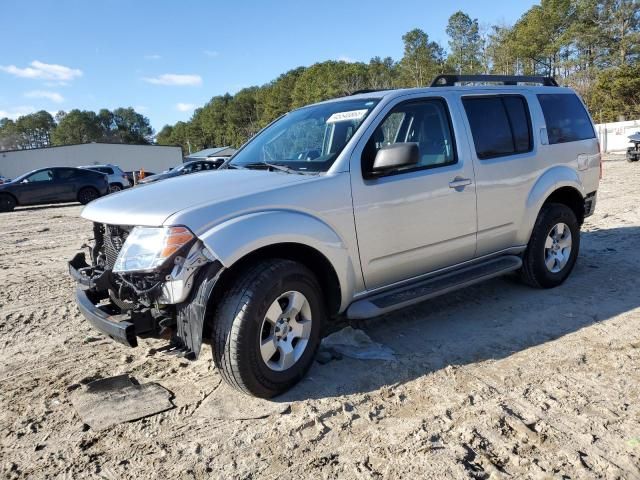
616,93
422,59
590,45
583,43
29,131
465,46
40,129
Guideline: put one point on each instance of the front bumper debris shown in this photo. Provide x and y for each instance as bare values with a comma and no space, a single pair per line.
91,293
175,307
114,326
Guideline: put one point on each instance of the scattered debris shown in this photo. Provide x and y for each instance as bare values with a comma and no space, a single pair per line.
354,343
109,401
91,339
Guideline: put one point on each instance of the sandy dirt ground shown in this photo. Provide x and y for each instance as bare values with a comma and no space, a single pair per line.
498,380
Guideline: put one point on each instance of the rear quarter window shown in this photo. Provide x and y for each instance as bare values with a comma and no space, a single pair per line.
500,125
566,118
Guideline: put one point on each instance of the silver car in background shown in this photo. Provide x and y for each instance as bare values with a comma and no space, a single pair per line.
356,206
118,180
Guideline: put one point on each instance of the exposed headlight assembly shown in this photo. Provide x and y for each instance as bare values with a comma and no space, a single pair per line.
147,248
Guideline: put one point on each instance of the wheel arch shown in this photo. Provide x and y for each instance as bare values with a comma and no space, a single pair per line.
559,184
303,254
286,234
15,199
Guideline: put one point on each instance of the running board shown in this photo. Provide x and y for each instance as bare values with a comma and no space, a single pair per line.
406,295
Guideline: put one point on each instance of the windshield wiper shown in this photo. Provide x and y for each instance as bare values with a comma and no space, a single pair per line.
275,166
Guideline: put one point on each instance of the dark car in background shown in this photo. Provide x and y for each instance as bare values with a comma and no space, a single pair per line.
53,185
186,168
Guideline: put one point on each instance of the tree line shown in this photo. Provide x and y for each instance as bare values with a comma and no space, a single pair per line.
590,45
41,129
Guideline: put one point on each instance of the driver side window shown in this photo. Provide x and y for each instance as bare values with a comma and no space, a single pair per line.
41,176
424,122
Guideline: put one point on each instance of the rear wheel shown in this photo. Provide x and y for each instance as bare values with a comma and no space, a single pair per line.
115,187
267,327
553,247
87,194
7,202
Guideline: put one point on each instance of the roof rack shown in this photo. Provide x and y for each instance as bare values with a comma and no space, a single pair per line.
451,80
367,90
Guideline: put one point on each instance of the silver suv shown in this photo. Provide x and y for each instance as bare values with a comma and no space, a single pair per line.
356,206
118,180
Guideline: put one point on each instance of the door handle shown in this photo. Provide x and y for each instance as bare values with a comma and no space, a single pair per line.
459,182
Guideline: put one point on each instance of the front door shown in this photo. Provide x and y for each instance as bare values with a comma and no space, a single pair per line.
419,219
36,188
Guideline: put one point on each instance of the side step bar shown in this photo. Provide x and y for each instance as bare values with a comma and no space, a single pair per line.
406,295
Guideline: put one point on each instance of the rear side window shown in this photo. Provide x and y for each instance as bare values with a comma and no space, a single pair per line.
500,125
566,118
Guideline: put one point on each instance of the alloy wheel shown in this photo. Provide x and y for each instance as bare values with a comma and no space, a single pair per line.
557,247
285,331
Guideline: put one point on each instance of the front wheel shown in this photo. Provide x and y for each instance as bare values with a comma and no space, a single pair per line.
115,187
553,247
7,202
267,327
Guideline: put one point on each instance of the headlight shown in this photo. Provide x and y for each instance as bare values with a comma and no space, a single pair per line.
146,248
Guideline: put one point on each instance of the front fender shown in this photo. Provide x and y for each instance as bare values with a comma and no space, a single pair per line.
235,238
553,179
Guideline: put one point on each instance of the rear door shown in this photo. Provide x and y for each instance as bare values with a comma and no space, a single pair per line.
67,183
506,163
420,219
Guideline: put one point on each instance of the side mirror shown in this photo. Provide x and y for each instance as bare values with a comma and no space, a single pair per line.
395,156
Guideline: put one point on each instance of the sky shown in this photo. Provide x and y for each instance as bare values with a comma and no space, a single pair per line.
165,58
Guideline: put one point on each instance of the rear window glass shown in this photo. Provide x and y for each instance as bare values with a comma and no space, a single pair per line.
566,118
499,124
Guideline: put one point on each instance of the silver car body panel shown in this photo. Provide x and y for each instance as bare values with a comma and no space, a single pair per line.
376,233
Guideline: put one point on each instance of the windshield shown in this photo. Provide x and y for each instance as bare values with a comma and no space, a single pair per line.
306,140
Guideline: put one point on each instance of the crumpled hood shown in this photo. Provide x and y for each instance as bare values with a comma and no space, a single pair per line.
150,205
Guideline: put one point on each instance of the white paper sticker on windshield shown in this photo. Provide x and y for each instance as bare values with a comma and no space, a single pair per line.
351,115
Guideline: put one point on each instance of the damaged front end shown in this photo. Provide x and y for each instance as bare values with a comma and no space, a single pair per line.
146,282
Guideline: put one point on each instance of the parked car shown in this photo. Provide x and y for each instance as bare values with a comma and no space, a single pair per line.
118,180
130,175
4,179
414,193
53,185
184,169
633,152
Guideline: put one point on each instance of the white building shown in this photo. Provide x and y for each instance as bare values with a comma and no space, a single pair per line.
614,137
151,158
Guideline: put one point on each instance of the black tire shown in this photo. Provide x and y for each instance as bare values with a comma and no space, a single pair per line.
7,202
238,326
87,194
115,187
534,271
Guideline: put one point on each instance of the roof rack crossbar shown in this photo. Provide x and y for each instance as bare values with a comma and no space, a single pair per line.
451,80
366,90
